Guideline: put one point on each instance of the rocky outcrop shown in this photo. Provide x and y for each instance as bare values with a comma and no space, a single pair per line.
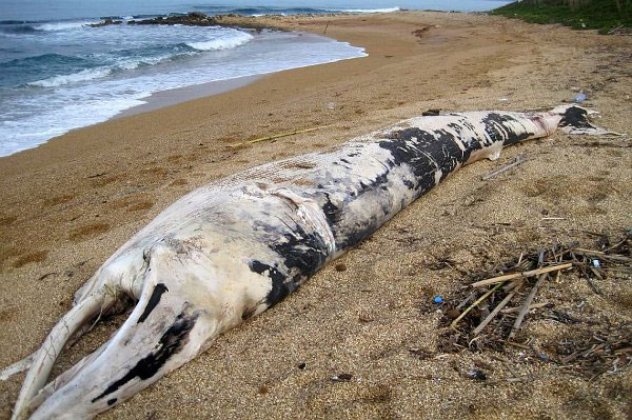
191,19
106,22
201,19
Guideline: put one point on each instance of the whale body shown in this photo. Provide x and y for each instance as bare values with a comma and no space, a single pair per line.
234,248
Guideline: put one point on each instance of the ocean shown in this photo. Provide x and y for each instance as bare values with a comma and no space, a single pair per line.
58,73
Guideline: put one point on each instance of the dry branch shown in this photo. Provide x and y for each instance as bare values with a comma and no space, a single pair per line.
518,160
525,306
495,312
475,304
591,253
524,274
275,136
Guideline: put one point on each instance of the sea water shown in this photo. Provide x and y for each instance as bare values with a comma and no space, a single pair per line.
57,72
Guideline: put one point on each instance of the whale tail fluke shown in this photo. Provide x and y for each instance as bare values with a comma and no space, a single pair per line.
576,120
42,360
165,329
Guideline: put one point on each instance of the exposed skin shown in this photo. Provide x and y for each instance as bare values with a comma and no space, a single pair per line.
234,248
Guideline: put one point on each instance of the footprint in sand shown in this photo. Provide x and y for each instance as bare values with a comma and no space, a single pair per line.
88,231
142,205
30,257
60,199
8,220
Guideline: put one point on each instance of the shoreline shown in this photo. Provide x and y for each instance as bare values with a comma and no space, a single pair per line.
221,81
71,202
170,97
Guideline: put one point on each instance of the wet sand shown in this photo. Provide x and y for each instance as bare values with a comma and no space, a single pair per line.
171,97
69,204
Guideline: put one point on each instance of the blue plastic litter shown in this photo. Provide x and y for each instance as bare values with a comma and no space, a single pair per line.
437,299
580,97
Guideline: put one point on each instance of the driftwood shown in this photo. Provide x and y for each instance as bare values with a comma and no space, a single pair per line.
275,136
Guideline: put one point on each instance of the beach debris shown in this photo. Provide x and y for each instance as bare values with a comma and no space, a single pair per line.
340,267
580,97
331,106
476,375
97,175
494,310
342,377
518,160
437,299
274,137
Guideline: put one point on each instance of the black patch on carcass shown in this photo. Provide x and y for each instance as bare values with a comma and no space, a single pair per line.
575,117
170,343
279,288
153,301
303,254
331,211
356,236
498,131
112,401
425,153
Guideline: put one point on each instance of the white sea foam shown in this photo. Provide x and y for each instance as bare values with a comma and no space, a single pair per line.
81,76
64,26
37,129
223,43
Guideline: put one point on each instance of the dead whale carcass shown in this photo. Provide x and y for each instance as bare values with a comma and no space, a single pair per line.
232,249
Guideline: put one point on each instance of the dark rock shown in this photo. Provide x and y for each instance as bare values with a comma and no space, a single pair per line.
343,377
476,375
105,22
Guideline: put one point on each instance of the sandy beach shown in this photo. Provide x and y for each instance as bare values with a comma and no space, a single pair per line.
69,204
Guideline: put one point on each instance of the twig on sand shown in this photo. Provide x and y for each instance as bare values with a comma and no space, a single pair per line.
591,253
518,160
495,312
274,137
531,273
475,304
518,308
525,306
466,300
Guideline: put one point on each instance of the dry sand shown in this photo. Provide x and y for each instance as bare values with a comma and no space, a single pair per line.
69,204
